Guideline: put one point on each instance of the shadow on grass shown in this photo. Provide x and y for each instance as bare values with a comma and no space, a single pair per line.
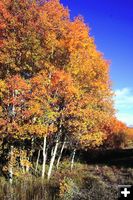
117,157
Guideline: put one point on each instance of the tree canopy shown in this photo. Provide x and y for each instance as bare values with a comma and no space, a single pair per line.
54,83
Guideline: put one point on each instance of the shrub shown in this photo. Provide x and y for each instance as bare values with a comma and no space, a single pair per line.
67,189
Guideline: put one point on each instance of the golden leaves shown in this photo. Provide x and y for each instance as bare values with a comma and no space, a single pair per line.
65,79
3,88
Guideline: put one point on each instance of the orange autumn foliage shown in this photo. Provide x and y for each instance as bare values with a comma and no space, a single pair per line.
52,75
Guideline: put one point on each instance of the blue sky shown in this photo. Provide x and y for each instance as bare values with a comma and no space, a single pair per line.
111,23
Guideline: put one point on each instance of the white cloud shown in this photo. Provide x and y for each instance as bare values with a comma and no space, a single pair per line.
122,92
124,105
125,117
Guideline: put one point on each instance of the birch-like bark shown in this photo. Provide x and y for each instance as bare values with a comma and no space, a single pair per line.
60,155
37,161
11,166
73,157
44,157
27,166
23,169
52,151
11,151
32,150
13,106
53,159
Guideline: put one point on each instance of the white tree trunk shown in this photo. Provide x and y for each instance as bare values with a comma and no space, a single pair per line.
73,157
44,157
11,166
52,151
62,148
23,169
37,161
13,106
53,158
32,150
27,166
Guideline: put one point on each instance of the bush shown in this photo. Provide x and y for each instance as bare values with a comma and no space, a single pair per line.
96,189
67,189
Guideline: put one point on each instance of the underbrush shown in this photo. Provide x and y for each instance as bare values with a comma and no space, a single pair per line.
84,182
